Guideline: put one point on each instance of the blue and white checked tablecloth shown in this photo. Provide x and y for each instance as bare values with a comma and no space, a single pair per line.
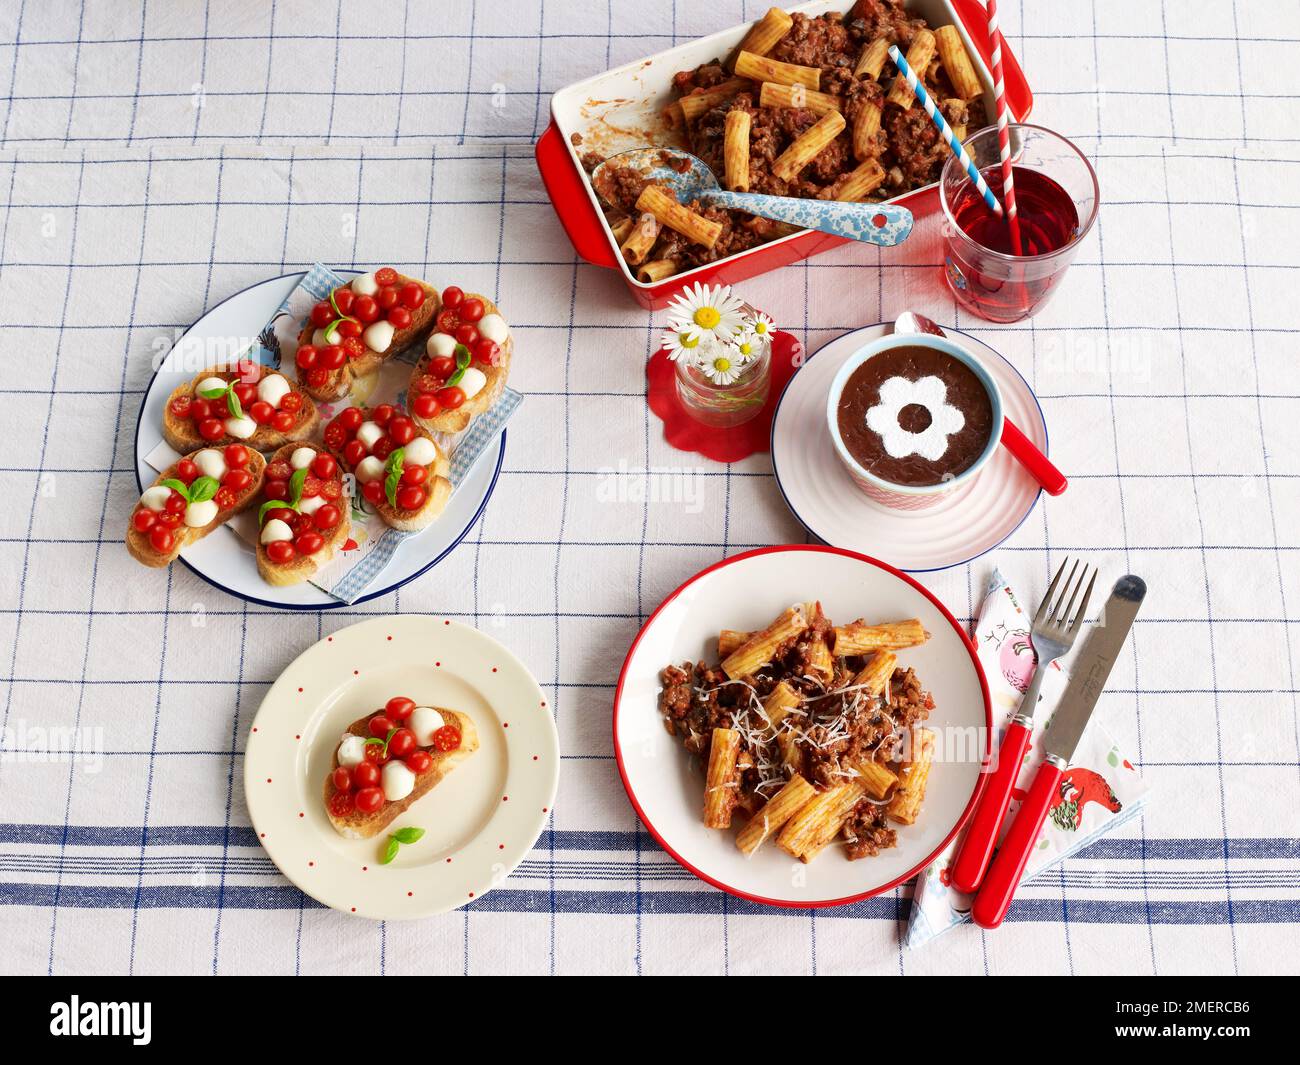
159,156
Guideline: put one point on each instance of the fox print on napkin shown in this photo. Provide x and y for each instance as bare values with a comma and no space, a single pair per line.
1099,790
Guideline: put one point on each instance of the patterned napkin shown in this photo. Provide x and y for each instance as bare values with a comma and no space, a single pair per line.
372,543
1099,791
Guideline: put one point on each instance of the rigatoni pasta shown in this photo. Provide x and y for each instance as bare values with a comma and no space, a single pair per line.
654,200
770,94
735,151
764,34
860,638
791,72
956,63
807,146
760,68
720,786
804,744
918,58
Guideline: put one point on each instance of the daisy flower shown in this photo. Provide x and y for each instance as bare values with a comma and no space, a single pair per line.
747,347
762,327
683,340
720,366
709,309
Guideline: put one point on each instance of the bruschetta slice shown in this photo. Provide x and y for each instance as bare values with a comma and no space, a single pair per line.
190,498
400,469
465,364
304,515
359,327
245,403
385,763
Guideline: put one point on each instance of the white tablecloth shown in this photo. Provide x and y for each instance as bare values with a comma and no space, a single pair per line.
155,161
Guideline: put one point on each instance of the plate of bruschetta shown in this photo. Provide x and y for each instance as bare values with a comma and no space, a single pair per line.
401,767
268,465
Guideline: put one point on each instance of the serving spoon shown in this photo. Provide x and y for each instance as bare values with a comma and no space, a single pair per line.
1022,449
689,178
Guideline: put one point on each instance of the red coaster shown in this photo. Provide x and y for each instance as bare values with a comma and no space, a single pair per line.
722,445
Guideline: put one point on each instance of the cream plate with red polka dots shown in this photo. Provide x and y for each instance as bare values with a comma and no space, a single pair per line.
479,822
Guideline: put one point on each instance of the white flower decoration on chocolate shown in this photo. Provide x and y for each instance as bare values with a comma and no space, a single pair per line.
932,394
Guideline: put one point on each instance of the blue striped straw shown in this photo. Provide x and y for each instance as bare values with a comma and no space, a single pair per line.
945,130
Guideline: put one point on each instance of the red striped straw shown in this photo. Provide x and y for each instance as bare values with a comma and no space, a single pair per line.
1004,135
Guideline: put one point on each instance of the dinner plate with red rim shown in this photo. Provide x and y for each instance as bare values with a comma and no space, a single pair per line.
967,522
746,592
479,822
220,559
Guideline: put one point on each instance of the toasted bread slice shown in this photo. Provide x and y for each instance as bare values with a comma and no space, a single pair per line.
338,383
436,486
183,434
301,567
457,420
139,544
358,825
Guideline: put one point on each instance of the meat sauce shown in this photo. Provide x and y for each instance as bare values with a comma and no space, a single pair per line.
909,147
838,729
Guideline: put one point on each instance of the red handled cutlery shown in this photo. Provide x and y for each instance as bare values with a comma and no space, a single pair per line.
1064,731
1053,632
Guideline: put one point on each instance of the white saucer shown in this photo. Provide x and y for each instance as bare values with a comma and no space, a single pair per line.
965,524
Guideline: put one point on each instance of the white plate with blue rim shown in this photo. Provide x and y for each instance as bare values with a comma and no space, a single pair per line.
221,558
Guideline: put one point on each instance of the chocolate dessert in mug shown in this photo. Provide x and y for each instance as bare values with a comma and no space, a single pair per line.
912,418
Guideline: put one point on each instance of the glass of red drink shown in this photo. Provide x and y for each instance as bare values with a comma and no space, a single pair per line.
1056,203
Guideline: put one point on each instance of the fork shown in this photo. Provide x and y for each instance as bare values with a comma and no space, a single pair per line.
1053,632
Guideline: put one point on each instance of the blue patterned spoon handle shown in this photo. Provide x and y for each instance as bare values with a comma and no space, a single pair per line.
885,224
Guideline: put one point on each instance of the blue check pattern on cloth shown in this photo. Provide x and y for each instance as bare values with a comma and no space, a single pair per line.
157,159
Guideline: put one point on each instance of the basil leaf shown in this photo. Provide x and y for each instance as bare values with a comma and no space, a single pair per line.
233,405
390,851
274,504
394,478
295,487
372,739
408,835
179,487
203,489
463,359
391,733
215,393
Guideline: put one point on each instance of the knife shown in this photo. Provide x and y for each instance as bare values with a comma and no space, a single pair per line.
1061,739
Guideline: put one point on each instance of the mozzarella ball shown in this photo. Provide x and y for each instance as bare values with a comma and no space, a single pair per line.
398,781
369,469
424,722
276,529
198,515
419,452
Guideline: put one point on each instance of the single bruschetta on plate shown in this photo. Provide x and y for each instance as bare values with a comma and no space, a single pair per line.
401,470
359,327
304,515
194,495
244,402
465,364
386,763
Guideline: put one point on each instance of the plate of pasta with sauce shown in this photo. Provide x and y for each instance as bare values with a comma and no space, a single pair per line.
802,726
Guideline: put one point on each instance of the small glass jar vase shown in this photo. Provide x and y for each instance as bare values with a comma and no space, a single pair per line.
724,405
